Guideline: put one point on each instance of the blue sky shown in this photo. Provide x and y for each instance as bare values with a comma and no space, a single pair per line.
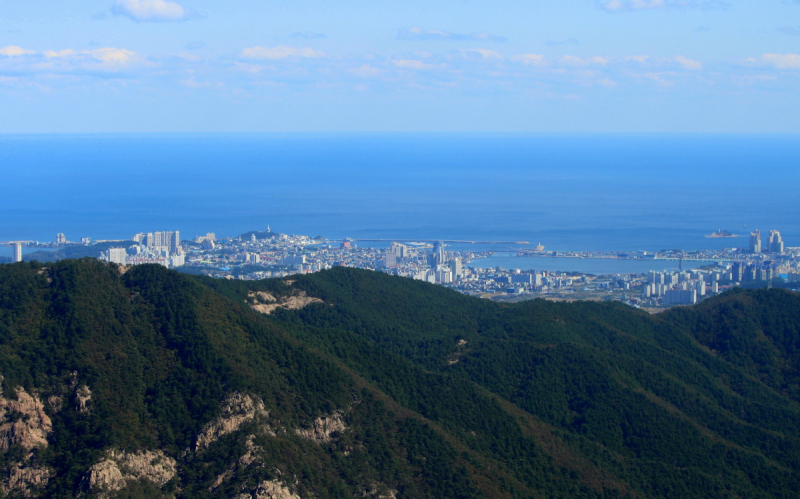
357,65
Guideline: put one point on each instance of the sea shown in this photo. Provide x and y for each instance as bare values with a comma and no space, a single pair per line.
568,192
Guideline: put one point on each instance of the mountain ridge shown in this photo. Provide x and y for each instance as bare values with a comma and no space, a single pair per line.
160,384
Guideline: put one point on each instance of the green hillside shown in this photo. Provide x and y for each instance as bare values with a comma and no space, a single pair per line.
151,383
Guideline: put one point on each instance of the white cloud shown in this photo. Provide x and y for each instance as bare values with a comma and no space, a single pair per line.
639,5
150,10
412,64
641,59
68,60
14,51
530,59
112,57
781,61
688,63
280,52
482,54
571,60
619,5
61,53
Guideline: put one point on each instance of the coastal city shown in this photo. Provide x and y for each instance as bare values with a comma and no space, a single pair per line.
265,254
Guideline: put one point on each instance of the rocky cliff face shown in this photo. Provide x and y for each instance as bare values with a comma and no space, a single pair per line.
238,409
26,425
324,429
121,468
271,489
25,422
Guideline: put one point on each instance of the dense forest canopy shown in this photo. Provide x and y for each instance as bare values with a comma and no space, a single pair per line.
144,382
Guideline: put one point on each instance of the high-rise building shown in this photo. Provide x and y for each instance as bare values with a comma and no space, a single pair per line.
775,242
458,272
738,272
17,252
174,241
117,255
61,238
700,287
680,297
755,242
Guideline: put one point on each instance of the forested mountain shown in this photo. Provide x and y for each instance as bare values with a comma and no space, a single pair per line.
144,382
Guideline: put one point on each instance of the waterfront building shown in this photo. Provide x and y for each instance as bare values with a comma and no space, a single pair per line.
17,252
61,238
755,242
775,242
455,264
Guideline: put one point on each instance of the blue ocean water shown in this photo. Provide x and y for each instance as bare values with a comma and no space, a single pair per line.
569,192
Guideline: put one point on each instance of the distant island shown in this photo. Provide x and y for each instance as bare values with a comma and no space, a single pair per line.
721,233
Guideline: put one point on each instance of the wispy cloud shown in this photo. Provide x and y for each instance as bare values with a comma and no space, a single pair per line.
621,5
106,59
419,34
571,60
412,64
482,54
687,63
150,10
280,52
14,51
777,61
641,5
530,59
309,35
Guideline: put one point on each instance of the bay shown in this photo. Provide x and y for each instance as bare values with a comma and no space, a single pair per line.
570,192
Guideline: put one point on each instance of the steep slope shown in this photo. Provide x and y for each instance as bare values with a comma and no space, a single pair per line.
148,384
618,391
350,383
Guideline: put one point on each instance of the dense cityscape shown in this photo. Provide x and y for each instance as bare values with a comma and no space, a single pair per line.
258,255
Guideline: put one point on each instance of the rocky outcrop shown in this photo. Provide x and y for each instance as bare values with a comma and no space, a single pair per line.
119,468
82,397
266,303
251,456
375,492
238,409
24,421
25,480
271,489
324,428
